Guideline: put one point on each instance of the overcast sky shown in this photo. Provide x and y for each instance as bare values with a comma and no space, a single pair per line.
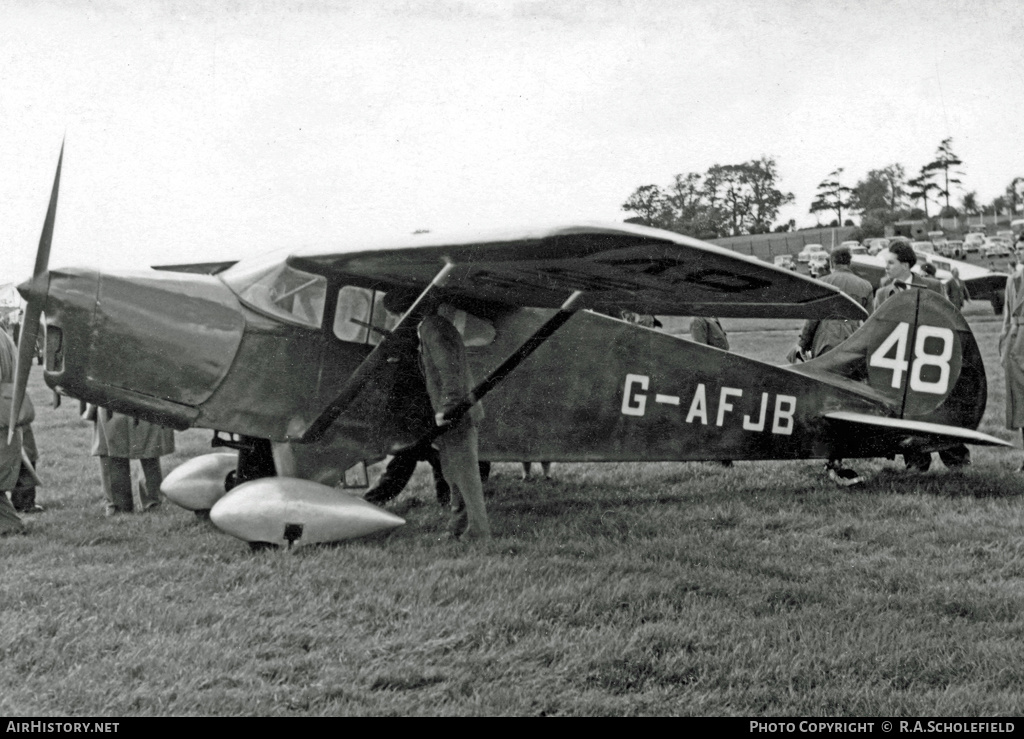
199,131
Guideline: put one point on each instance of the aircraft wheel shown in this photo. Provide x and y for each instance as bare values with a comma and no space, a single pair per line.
230,481
997,303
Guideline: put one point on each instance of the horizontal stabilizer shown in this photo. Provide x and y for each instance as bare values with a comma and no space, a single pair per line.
931,431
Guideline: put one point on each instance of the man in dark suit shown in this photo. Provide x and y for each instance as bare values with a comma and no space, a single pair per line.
899,261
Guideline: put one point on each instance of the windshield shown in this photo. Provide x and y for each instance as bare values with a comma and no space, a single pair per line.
270,286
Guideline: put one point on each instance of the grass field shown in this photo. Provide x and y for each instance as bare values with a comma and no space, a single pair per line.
615,589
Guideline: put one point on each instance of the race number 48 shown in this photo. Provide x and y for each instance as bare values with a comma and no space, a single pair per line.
891,354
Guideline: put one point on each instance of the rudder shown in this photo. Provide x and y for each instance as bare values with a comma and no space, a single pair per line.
919,354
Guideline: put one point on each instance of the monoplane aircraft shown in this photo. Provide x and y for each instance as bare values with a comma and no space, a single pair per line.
292,354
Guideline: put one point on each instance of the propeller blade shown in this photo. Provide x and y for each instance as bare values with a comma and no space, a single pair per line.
34,308
46,238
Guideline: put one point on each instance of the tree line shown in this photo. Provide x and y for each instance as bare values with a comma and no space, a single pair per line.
735,199
727,200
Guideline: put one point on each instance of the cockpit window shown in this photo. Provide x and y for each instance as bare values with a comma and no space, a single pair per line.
360,316
280,290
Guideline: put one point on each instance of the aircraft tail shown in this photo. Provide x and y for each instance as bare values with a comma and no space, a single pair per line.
916,353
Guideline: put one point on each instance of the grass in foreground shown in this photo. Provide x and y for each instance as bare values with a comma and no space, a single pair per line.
615,589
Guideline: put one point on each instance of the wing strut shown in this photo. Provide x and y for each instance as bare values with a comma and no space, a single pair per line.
516,358
378,357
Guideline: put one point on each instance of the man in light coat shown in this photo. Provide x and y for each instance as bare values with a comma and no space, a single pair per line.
1011,351
118,439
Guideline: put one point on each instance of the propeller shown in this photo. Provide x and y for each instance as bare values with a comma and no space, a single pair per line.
34,292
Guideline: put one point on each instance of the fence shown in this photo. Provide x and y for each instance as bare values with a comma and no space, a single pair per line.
990,222
769,246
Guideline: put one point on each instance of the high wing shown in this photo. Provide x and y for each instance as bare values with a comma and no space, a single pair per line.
614,266
606,268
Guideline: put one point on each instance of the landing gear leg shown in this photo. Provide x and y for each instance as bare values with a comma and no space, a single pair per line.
255,459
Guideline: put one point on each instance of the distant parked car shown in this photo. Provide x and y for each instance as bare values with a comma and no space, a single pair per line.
785,261
804,257
924,247
818,263
850,244
858,249
952,249
876,245
972,241
994,248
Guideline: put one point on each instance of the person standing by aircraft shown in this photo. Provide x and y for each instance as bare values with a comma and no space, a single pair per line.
545,468
708,330
399,471
23,497
16,325
956,290
820,336
118,439
1011,350
449,382
899,261
16,472
407,403
929,274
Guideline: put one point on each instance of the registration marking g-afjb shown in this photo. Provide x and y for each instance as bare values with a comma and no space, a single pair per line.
634,403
